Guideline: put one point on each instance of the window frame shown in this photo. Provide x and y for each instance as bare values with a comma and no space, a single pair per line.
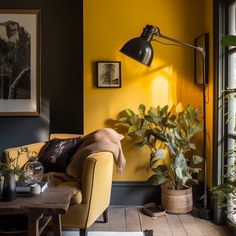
221,136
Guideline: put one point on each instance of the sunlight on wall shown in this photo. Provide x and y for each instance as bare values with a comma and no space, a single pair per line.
167,91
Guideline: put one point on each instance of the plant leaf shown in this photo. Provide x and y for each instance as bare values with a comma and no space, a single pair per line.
228,40
152,112
192,146
178,172
171,147
158,135
156,179
123,119
164,110
142,109
178,136
132,129
129,112
197,159
160,154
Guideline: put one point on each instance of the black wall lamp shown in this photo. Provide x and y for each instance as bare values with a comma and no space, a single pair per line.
140,49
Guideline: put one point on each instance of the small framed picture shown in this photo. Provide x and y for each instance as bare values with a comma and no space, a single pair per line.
108,74
203,42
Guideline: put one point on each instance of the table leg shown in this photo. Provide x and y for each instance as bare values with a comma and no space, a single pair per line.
56,224
33,225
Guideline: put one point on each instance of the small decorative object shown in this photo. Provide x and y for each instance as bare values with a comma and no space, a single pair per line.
35,189
153,210
168,133
33,168
108,74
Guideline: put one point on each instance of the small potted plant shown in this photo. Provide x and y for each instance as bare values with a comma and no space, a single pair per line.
9,170
168,133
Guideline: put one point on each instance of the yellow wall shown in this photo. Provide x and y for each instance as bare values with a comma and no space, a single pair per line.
108,24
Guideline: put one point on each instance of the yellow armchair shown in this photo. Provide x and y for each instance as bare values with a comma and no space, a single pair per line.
93,197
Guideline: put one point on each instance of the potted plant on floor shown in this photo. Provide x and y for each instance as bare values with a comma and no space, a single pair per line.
168,133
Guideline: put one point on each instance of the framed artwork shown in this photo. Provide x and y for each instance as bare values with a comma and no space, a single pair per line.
108,74
201,41
19,62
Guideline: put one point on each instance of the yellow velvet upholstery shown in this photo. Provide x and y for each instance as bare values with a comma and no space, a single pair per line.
94,196
61,136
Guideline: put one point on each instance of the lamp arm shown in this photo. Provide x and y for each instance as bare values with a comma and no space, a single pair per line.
152,30
200,49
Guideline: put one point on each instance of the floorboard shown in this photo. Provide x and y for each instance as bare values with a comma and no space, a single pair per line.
175,225
212,229
99,225
159,225
190,225
117,219
131,218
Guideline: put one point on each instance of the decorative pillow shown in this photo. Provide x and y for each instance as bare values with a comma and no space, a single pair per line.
56,154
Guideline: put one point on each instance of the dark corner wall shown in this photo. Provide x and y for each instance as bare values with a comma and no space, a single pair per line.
61,74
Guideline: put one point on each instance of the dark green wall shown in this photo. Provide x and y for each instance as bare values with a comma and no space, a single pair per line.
61,74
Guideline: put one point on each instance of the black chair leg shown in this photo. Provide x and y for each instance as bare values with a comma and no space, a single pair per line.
105,216
83,232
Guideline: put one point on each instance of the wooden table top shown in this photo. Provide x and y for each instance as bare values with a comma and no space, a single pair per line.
53,200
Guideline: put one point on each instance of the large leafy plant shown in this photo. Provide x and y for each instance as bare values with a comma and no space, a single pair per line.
168,133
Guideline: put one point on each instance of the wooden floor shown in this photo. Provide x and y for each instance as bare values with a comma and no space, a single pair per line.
131,219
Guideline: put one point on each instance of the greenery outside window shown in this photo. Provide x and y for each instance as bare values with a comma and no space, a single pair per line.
225,88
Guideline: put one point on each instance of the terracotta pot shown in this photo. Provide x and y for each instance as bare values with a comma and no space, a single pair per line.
176,201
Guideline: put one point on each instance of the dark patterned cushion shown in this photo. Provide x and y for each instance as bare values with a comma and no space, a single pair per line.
56,154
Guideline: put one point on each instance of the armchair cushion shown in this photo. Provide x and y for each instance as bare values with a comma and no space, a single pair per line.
56,154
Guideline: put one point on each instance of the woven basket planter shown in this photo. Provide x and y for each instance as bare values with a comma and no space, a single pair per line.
176,201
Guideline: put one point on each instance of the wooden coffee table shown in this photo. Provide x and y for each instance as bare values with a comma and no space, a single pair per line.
40,209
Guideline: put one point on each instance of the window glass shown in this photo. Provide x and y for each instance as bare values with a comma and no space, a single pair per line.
231,101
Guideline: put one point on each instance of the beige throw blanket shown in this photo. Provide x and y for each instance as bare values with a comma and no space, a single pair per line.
105,139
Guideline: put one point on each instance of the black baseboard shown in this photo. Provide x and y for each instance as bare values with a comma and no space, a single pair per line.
134,193
140,193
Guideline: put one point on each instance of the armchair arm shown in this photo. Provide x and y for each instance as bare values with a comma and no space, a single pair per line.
95,189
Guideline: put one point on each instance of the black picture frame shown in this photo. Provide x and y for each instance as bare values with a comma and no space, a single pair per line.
201,41
108,74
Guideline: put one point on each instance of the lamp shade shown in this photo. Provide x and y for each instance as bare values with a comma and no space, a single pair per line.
139,49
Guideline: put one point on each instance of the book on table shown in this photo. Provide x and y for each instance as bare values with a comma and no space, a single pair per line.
25,188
